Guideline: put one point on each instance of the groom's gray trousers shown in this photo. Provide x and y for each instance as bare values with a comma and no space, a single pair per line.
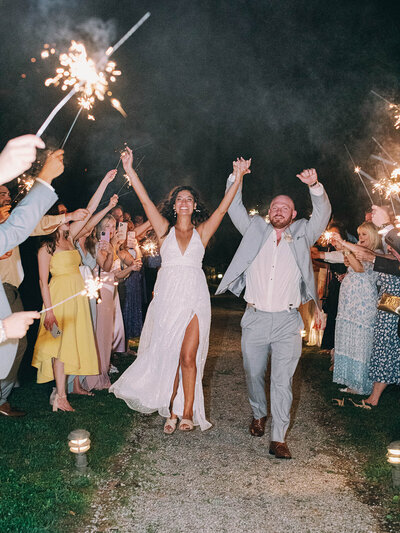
278,334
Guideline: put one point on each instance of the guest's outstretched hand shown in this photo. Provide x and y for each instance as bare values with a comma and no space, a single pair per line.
53,166
110,175
308,176
18,155
380,216
4,213
17,324
241,167
127,159
113,201
78,214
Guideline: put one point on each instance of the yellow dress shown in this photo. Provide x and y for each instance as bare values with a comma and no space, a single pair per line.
75,347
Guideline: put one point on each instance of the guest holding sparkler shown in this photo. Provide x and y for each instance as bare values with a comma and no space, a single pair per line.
336,273
110,333
65,343
356,315
167,374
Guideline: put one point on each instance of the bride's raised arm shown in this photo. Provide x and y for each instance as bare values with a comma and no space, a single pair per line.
207,228
159,223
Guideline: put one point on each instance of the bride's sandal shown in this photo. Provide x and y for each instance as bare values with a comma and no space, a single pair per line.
170,425
186,422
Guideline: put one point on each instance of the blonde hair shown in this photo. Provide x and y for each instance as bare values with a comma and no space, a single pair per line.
375,238
102,223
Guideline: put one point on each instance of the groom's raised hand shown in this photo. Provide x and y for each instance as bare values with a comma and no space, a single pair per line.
241,167
308,176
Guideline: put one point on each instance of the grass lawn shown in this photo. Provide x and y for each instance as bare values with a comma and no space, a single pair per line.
368,431
39,489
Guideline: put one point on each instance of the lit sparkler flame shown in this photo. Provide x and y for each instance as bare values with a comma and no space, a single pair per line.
91,117
78,71
389,185
92,288
253,212
357,169
326,238
150,248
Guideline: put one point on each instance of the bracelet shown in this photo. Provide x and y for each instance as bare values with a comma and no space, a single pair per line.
314,184
3,336
347,252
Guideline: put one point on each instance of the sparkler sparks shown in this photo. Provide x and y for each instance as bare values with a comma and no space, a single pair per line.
326,238
79,73
389,186
91,290
150,248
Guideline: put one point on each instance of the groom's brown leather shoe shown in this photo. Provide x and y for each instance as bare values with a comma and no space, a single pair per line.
280,450
7,410
257,426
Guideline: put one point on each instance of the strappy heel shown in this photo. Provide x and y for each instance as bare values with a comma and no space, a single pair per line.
57,403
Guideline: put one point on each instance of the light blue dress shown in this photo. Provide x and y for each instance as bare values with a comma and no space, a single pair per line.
355,329
385,360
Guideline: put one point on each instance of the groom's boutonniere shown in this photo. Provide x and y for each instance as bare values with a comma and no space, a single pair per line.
288,237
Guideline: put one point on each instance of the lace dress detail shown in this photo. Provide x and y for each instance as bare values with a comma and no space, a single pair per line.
180,293
355,329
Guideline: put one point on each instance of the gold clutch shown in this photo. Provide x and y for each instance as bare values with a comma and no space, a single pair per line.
389,303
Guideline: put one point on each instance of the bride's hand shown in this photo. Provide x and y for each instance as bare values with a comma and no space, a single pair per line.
241,167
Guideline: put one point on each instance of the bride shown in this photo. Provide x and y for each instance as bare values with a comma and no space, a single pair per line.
167,374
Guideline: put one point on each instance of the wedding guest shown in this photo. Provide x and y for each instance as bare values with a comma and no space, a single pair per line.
356,316
65,343
336,273
110,332
11,271
132,302
167,374
16,157
273,264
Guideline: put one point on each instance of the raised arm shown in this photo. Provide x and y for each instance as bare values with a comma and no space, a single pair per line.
76,227
95,219
207,228
159,223
321,206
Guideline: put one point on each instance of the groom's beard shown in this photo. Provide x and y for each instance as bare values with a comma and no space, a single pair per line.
280,222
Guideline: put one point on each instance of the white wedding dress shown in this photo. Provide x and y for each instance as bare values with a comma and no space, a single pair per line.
180,293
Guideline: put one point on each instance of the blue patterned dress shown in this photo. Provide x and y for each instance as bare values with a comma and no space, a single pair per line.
355,329
385,359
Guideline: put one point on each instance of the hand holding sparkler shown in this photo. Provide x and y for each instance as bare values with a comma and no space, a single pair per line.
4,213
127,159
109,177
53,166
113,201
308,176
380,216
18,155
77,215
16,325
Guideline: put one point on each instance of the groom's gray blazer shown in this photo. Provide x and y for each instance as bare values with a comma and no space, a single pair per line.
301,235
19,225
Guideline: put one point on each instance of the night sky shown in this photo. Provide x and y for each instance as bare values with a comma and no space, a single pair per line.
284,82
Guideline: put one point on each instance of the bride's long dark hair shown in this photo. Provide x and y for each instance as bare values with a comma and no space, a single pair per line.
166,207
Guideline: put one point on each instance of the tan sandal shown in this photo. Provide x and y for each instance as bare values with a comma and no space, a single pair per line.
170,425
186,422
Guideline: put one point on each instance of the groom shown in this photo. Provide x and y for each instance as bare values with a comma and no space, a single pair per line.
274,266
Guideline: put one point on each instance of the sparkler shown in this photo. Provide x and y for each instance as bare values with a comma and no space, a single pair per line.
150,248
253,212
326,237
384,151
394,107
83,75
383,160
91,290
70,129
357,171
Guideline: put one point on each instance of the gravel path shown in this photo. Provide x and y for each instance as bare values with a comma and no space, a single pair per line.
224,480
